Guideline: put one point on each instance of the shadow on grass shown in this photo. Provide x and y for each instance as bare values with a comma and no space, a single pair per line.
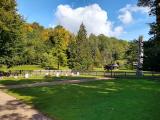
99,100
42,79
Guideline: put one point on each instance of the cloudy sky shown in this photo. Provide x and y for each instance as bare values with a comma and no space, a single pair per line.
118,18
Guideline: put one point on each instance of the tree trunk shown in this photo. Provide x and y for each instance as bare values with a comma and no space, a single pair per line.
58,65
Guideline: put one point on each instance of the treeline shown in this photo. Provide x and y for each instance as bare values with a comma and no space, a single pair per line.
22,43
55,47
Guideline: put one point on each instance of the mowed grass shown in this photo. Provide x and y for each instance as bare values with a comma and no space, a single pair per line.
99,100
35,79
21,67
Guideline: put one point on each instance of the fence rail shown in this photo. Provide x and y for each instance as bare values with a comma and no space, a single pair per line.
118,74
112,74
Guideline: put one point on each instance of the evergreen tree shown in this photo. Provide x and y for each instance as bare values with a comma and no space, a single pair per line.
80,51
11,33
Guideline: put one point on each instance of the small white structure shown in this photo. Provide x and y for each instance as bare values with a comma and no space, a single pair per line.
15,77
78,74
66,74
46,74
72,74
26,75
57,74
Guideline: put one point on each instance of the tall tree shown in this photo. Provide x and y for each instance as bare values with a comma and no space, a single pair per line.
59,39
10,33
151,47
80,52
155,11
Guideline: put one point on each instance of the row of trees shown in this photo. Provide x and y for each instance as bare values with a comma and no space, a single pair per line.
24,43
58,47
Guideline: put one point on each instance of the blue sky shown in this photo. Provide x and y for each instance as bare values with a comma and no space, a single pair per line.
118,18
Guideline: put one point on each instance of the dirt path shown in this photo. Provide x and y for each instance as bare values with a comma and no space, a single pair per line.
49,83
13,109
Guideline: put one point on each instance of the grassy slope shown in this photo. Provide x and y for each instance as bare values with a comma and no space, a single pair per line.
100,100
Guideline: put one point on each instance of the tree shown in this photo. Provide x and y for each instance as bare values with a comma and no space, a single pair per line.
11,33
95,52
151,47
34,42
80,51
155,11
132,53
59,39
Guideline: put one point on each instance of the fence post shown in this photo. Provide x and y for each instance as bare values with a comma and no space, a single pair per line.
111,73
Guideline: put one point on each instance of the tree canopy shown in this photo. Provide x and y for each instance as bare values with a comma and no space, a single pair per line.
11,33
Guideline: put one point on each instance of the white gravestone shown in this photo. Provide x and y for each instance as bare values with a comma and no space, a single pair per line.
72,74
46,74
15,77
78,74
57,74
26,75
66,74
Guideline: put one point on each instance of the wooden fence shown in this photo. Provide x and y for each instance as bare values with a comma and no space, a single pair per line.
111,74
118,74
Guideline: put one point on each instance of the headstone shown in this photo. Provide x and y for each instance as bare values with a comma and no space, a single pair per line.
46,74
66,74
16,77
26,75
72,74
57,74
77,73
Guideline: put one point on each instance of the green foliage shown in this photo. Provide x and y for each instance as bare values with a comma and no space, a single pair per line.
151,48
80,57
11,33
59,39
132,54
34,43
152,56
24,43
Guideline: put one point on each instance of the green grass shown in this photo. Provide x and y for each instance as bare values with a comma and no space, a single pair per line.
100,100
33,79
22,67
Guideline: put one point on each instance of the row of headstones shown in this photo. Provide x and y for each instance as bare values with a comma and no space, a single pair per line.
58,74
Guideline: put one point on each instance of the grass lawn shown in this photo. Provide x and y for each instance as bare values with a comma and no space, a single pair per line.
33,79
99,100
22,67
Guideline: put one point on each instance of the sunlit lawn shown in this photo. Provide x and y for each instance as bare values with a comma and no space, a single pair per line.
21,67
34,79
100,100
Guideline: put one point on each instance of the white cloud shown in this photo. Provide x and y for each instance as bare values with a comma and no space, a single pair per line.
126,13
118,30
126,17
93,16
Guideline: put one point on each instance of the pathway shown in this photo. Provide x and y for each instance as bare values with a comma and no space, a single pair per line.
13,109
